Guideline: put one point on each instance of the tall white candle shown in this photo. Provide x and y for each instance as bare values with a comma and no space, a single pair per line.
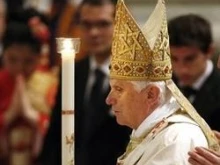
68,47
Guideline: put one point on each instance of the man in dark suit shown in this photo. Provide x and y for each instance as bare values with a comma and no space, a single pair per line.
191,49
204,156
99,140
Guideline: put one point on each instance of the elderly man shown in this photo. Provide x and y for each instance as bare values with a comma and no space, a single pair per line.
143,96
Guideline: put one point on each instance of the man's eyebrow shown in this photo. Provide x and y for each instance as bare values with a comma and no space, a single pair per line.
191,56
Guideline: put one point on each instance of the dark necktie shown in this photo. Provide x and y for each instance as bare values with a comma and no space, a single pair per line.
188,91
92,108
97,88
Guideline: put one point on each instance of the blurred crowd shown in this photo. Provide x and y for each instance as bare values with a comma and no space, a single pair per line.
29,73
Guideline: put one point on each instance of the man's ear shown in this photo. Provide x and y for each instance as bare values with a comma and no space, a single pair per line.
153,93
210,51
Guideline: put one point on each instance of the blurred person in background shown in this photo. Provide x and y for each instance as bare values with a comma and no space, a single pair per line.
40,25
204,156
51,10
191,45
26,93
99,139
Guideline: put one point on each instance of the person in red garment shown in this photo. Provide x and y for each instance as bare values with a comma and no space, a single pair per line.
26,94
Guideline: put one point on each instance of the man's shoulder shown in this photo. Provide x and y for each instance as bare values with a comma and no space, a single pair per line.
180,118
82,68
182,128
82,62
212,83
174,127
214,76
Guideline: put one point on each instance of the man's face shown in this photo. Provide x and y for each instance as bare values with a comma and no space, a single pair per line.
129,106
188,63
20,59
97,27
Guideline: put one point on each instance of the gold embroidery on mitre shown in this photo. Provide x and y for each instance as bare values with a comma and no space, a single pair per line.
138,54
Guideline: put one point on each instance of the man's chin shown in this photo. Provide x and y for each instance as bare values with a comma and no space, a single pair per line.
186,82
119,121
98,50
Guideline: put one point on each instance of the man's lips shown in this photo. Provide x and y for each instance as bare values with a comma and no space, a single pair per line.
113,109
116,111
95,42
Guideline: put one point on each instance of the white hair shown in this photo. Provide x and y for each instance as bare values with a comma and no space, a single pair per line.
165,94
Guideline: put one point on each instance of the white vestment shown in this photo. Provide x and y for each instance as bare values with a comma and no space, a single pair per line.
164,139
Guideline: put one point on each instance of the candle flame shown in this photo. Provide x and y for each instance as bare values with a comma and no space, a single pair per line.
67,44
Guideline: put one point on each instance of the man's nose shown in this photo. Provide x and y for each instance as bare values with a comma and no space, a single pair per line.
94,31
109,99
183,69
